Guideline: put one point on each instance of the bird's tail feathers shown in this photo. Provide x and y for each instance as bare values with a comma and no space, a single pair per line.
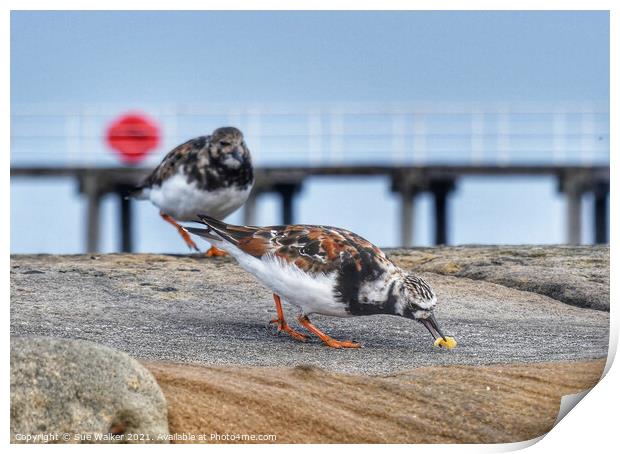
216,230
138,193
205,233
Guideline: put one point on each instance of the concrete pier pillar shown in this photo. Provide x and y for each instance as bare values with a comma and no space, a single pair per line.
126,222
601,215
249,209
407,184
407,210
90,187
573,186
573,216
287,192
440,190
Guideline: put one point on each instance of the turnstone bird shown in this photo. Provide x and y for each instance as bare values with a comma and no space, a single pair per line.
209,174
325,270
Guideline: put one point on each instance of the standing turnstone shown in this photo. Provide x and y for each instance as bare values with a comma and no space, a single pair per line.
209,174
325,270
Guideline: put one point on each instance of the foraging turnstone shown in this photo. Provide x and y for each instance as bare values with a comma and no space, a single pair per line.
325,270
209,174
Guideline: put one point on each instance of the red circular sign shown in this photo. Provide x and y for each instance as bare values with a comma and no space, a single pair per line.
133,136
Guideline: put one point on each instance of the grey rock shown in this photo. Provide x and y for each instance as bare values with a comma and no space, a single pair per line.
576,275
72,391
219,314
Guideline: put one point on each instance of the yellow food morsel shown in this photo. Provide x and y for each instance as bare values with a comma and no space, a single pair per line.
448,343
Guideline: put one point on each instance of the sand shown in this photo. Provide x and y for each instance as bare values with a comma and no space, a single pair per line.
439,404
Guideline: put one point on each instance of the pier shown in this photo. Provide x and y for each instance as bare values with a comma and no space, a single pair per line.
441,181
422,148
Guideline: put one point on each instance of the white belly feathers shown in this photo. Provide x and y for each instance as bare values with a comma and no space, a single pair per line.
313,294
184,201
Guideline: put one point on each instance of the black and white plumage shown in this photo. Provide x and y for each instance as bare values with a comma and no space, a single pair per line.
325,270
209,174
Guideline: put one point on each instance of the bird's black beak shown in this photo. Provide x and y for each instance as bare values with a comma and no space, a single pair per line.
430,323
237,154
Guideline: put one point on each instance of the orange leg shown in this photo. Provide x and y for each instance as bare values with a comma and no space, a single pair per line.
215,252
305,322
190,243
282,325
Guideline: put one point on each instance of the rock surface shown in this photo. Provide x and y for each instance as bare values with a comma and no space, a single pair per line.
443,404
75,391
577,275
210,311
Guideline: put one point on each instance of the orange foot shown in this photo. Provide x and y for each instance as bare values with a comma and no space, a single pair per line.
284,327
215,252
333,343
330,342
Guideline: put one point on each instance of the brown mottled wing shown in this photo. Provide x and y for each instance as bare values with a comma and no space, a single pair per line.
319,249
312,248
179,156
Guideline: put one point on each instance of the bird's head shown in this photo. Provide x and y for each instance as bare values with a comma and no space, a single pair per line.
228,148
418,302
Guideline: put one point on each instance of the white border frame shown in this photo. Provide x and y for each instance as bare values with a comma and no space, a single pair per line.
591,427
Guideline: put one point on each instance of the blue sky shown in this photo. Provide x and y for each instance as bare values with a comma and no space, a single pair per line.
309,56
136,58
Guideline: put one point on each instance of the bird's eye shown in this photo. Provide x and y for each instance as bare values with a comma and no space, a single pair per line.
224,143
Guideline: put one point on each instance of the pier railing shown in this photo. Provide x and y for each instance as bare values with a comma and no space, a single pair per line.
334,134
